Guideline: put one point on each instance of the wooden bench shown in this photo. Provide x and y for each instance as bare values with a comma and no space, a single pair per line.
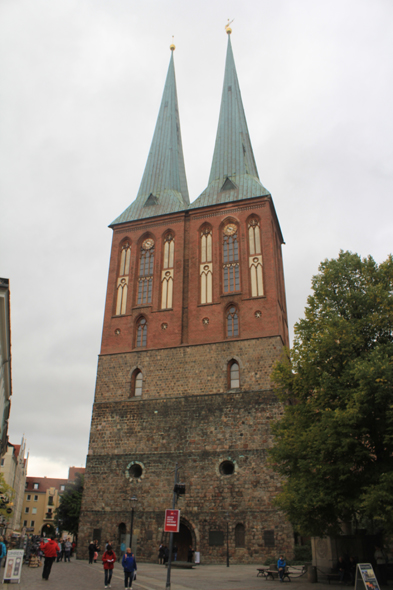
272,573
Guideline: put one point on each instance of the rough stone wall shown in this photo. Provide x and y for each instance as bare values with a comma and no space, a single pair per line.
199,430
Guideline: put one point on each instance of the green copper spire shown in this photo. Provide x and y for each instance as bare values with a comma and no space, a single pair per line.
233,174
164,186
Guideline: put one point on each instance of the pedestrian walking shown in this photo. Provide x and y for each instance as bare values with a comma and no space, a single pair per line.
92,550
49,549
129,565
108,559
60,552
161,554
67,550
190,554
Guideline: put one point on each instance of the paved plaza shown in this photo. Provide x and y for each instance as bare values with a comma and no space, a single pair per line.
78,574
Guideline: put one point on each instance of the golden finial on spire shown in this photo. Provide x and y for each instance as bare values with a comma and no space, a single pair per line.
228,28
172,46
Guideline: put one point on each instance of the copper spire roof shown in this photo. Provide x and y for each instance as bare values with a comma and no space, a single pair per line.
234,173
164,186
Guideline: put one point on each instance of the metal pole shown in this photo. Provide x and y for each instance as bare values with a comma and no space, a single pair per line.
132,526
227,543
168,573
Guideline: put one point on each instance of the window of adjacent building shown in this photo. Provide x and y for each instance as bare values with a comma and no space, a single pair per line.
232,322
36,486
50,500
25,523
27,510
122,279
35,498
62,488
146,267
234,375
28,497
141,333
137,383
255,258
167,272
32,523
34,511
240,535
206,266
231,265
2,462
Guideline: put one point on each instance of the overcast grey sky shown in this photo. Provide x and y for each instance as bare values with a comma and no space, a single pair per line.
81,84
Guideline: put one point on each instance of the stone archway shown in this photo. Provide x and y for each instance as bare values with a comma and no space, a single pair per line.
48,530
183,539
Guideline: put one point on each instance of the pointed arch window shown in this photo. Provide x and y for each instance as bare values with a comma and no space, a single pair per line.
137,383
141,333
240,536
206,266
146,267
167,273
122,279
231,265
255,258
232,322
233,375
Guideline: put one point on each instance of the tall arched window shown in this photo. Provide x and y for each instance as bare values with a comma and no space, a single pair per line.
240,540
231,267
167,272
137,383
255,258
141,333
122,279
233,375
206,266
146,267
232,322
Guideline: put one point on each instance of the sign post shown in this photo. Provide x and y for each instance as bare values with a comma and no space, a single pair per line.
365,577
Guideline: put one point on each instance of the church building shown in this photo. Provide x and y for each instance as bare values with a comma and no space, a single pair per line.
195,318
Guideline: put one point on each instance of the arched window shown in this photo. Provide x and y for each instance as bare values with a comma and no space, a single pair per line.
141,333
230,256
240,535
255,258
206,266
232,322
233,375
122,279
146,267
167,272
137,383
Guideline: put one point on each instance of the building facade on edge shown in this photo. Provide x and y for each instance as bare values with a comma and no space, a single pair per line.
5,363
195,318
14,469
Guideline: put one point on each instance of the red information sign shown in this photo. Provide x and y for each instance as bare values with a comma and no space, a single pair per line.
172,521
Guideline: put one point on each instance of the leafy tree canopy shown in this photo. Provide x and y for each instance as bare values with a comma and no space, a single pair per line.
334,443
67,513
7,494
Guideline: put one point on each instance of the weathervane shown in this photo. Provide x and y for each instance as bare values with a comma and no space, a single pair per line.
172,46
227,27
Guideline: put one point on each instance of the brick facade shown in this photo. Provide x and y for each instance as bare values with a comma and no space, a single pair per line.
188,413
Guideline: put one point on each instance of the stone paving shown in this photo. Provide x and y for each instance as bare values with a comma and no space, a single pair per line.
80,575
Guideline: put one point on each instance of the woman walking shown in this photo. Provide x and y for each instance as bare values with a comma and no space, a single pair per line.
129,565
109,559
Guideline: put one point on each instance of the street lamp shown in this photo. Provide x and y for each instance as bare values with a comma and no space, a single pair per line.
133,500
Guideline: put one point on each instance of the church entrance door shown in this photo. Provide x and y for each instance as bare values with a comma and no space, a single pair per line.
183,539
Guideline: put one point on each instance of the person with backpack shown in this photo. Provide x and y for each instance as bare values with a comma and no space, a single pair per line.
129,565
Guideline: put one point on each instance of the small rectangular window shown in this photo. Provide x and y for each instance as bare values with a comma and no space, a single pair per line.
32,523
25,523
62,488
2,462
36,486
34,511
27,509
35,498
216,538
268,538
28,497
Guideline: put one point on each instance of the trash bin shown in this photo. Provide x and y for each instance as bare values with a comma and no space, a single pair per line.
312,574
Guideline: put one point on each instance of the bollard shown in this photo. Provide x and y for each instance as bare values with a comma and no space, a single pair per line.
312,576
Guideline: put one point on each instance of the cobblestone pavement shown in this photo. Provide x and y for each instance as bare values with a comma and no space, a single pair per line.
80,575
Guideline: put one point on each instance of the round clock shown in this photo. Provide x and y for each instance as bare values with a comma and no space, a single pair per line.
230,229
147,244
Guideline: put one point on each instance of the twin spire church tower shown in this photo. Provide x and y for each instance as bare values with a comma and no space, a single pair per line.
195,318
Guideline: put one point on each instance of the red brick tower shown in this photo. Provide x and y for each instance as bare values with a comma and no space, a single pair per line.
195,318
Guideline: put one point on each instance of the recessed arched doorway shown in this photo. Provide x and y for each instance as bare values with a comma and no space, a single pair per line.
182,540
48,530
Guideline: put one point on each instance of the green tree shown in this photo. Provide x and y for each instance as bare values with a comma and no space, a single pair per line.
68,511
334,443
7,494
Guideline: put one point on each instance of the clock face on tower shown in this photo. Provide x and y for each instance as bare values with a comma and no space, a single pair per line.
230,229
147,244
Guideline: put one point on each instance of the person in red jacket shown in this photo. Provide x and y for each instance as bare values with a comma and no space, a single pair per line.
50,549
109,559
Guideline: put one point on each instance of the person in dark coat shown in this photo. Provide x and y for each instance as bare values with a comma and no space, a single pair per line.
92,550
129,565
190,554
